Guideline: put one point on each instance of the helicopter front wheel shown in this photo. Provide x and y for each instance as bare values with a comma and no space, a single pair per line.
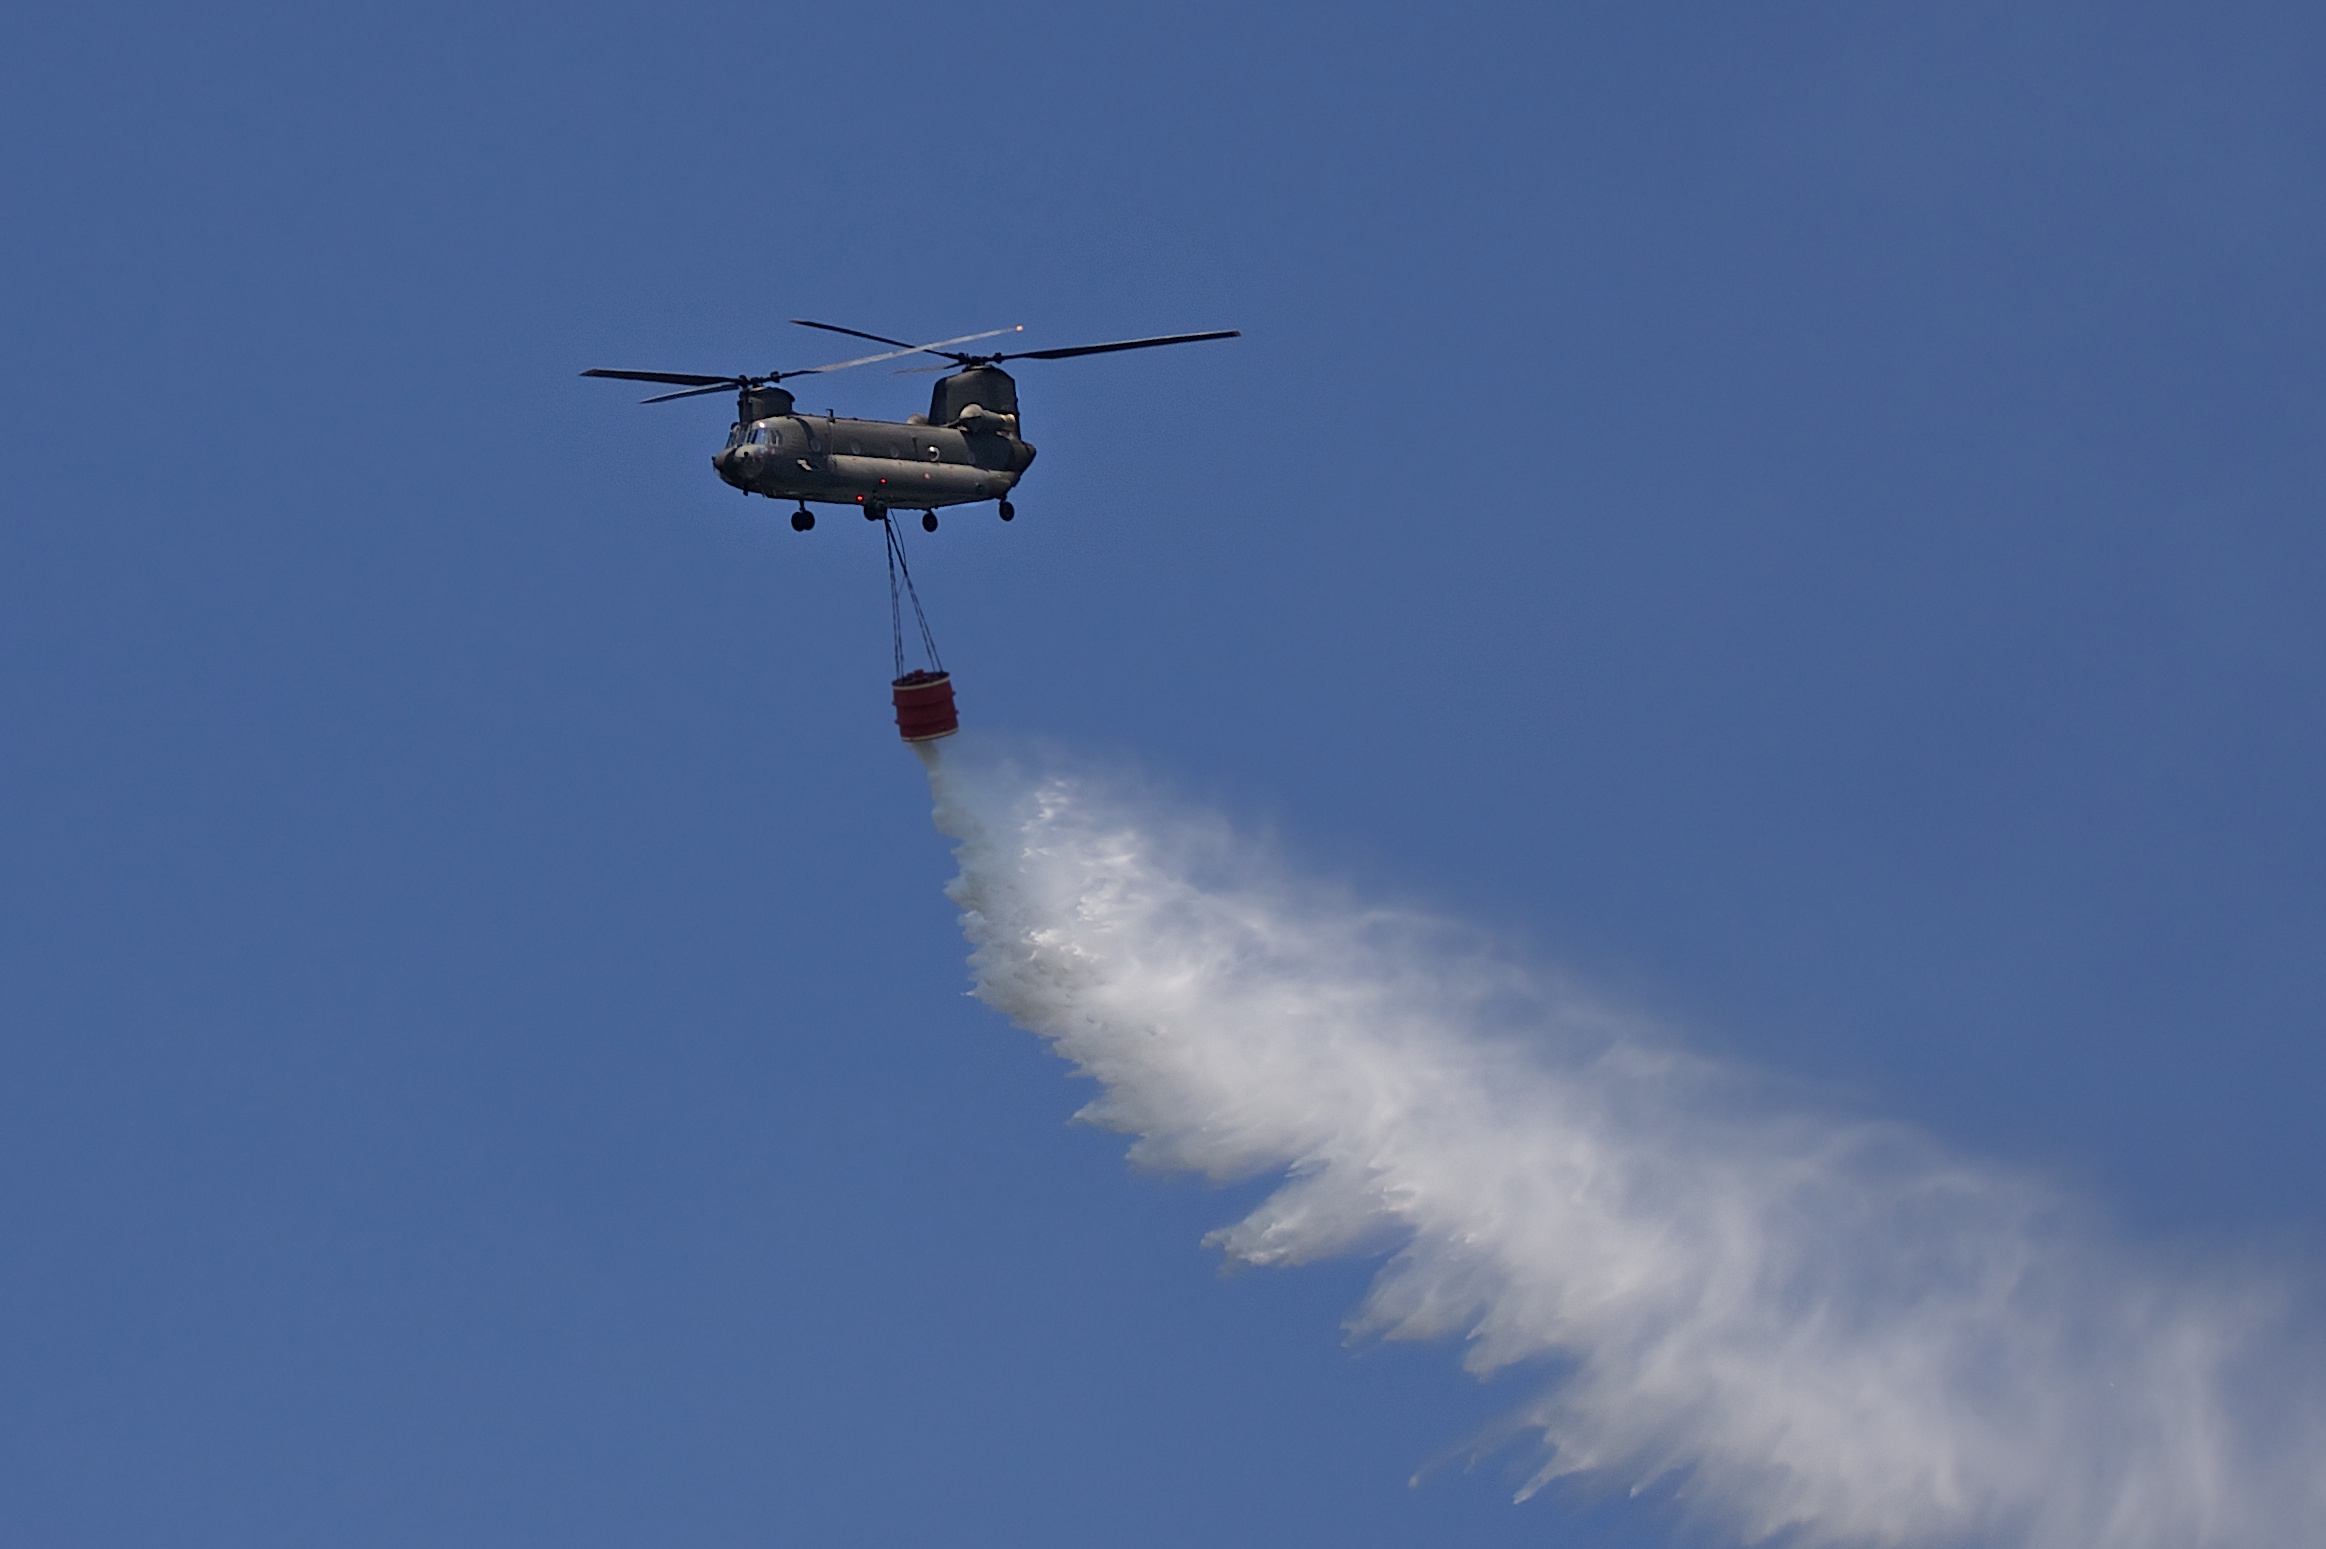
1009,512
802,520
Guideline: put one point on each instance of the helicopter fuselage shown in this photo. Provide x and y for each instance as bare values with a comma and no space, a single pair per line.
874,464
966,448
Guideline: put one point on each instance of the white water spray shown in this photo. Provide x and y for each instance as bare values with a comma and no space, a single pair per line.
1808,1328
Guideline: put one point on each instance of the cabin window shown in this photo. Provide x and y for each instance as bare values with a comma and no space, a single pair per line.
856,447
934,453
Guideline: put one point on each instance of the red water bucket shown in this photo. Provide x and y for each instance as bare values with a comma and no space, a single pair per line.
924,706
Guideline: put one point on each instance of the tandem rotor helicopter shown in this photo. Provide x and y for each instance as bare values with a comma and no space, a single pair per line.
965,449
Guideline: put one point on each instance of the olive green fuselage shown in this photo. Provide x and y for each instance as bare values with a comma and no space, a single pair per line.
873,463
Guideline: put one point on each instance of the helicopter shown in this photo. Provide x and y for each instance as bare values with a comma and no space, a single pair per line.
966,449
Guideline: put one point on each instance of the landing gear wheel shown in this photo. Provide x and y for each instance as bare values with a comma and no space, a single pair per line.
802,520
1009,513
928,521
873,513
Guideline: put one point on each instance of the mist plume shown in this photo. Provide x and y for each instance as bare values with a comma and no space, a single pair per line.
1805,1327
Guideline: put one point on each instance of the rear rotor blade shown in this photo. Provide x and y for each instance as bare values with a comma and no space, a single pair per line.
936,346
674,378
910,350
853,333
1123,344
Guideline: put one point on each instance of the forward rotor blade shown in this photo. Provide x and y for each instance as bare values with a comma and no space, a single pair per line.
1123,344
693,392
674,378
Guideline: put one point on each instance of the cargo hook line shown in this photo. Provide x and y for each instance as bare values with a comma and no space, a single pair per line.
899,570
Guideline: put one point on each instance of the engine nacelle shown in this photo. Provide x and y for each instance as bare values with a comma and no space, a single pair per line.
977,419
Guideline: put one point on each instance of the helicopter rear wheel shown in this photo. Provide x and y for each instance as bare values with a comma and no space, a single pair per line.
802,520
928,521
873,513
1009,512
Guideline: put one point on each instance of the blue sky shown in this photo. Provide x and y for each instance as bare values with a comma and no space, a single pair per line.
1806,517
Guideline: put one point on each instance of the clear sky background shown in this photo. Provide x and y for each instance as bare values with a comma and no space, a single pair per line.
1807,516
